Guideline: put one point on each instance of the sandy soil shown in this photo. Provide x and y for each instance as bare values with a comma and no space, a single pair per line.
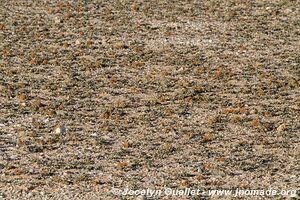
153,94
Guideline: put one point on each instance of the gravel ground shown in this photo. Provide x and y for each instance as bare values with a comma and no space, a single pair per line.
151,94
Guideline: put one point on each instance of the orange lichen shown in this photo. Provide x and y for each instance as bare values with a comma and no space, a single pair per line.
168,111
260,92
19,142
207,166
125,145
221,160
255,122
218,73
236,118
37,103
184,183
134,7
51,112
137,64
95,182
207,137
22,97
89,42
45,172
121,165
61,106
242,110
162,99
105,115
5,52
199,177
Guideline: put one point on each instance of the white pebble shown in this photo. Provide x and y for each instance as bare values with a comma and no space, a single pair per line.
281,128
60,129
57,20
77,42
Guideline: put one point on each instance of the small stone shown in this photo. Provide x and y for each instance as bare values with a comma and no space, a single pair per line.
94,134
281,128
57,20
59,129
77,42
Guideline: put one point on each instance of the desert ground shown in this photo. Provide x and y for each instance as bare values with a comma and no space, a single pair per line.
97,97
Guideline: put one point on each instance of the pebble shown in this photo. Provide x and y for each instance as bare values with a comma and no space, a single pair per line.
13,157
77,42
60,129
280,128
94,134
57,20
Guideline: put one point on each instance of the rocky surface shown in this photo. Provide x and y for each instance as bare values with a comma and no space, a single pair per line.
99,96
